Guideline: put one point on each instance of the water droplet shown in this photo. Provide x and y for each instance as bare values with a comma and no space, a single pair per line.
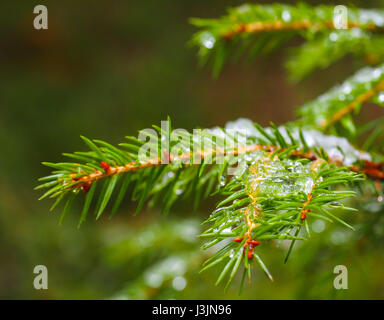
347,88
222,181
168,176
208,40
286,16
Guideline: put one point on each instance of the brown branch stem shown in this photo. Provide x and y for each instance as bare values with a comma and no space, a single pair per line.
364,97
279,25
372,169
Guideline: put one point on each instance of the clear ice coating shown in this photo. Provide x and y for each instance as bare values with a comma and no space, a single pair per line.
277,178
314,138
243,124
337,148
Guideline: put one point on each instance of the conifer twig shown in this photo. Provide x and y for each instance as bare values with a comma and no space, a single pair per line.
364,97
371,169
280,25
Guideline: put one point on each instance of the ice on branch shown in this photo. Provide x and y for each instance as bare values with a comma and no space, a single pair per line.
337,148
338,103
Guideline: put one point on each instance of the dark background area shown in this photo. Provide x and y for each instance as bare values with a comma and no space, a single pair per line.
106,69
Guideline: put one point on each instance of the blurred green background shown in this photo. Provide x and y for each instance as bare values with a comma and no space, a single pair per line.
105,69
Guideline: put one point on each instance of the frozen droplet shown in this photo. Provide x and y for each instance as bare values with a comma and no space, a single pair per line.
286,15
208,40
168,176
231,253
347,88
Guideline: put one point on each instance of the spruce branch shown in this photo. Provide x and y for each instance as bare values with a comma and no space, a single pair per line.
109,163
280,179
255,29
326,49
250,18
366,85
272,180
270,200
